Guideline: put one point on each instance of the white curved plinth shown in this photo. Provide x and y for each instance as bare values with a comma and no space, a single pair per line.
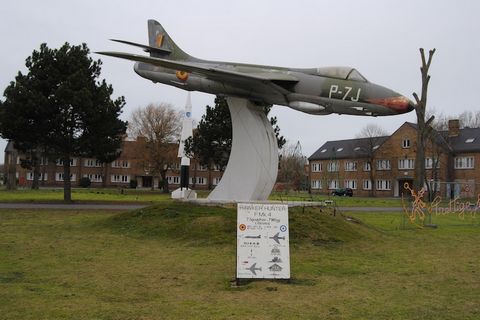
253,164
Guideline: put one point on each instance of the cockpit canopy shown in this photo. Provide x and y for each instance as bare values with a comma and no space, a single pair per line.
344,73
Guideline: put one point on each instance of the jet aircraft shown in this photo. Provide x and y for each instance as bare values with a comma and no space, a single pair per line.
276,237
318,91
253,268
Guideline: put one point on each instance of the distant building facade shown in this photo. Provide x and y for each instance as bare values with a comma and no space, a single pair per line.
384,166
130,166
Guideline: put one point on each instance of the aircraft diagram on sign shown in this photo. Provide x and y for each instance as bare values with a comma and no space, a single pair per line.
253,269
276,237
318,91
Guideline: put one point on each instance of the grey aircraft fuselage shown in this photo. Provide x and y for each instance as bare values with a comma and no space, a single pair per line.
318,91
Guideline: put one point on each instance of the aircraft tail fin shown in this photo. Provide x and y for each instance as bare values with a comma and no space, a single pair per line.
166,47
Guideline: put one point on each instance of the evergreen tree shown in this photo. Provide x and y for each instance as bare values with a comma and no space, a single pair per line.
61,106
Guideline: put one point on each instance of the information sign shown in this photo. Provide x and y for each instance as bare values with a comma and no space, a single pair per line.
263,241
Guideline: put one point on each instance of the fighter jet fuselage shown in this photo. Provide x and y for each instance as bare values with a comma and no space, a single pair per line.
319,91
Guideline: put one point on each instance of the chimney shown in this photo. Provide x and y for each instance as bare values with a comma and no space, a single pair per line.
453,128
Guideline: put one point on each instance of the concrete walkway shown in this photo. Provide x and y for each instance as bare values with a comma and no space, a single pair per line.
73,206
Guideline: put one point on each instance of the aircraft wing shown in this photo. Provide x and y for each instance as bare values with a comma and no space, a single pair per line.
210,70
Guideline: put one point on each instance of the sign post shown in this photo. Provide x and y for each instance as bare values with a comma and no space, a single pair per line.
263,249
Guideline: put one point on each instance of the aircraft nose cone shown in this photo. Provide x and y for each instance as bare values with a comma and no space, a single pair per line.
411,106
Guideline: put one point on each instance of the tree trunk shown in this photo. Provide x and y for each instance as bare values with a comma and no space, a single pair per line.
423,127
36,170
67,184
163,175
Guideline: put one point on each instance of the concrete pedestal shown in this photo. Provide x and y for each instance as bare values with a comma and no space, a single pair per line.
184,193
253,164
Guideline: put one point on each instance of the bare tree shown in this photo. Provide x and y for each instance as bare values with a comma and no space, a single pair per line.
469,119
423,126
372,136
292,166
160,124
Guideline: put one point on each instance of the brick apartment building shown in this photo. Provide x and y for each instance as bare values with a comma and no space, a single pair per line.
131,165
383,166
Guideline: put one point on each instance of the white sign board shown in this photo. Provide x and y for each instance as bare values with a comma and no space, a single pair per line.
263,241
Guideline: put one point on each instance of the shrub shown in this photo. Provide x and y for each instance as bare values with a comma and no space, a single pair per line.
84,182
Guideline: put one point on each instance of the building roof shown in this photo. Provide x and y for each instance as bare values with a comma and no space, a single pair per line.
468,140
343,149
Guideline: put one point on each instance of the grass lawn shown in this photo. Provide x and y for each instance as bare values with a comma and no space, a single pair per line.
148,196
175,261
84,195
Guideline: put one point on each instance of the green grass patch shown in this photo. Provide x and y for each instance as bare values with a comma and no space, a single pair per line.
98,195
176,261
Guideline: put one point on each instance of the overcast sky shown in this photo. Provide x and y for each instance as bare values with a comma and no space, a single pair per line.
379,38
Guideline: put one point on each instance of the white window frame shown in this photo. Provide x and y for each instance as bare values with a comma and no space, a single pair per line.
350,165
406,164
333,166
350,183
316,167
59,176
202,180
92,163
316,184
367,184
119,178
406,143
429,163
462,163
367,166
173,179
383,185
384,164
94,177
40,176
73,162
121,164
333,184
216,180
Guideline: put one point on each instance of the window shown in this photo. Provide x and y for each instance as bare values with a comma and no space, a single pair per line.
406,164
384,185
316,184
464,162
217,167
202,167
93,163
434,186
333,184
216,181
120,178
94,177
59,176
367,185
43,161
333,166
339,149
323,151
316,167
406,143
201,180
469,140
383,165
352,184
41,176
198,180
357,149
350,166
121,164
173,180
429,163
367,166
73,162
